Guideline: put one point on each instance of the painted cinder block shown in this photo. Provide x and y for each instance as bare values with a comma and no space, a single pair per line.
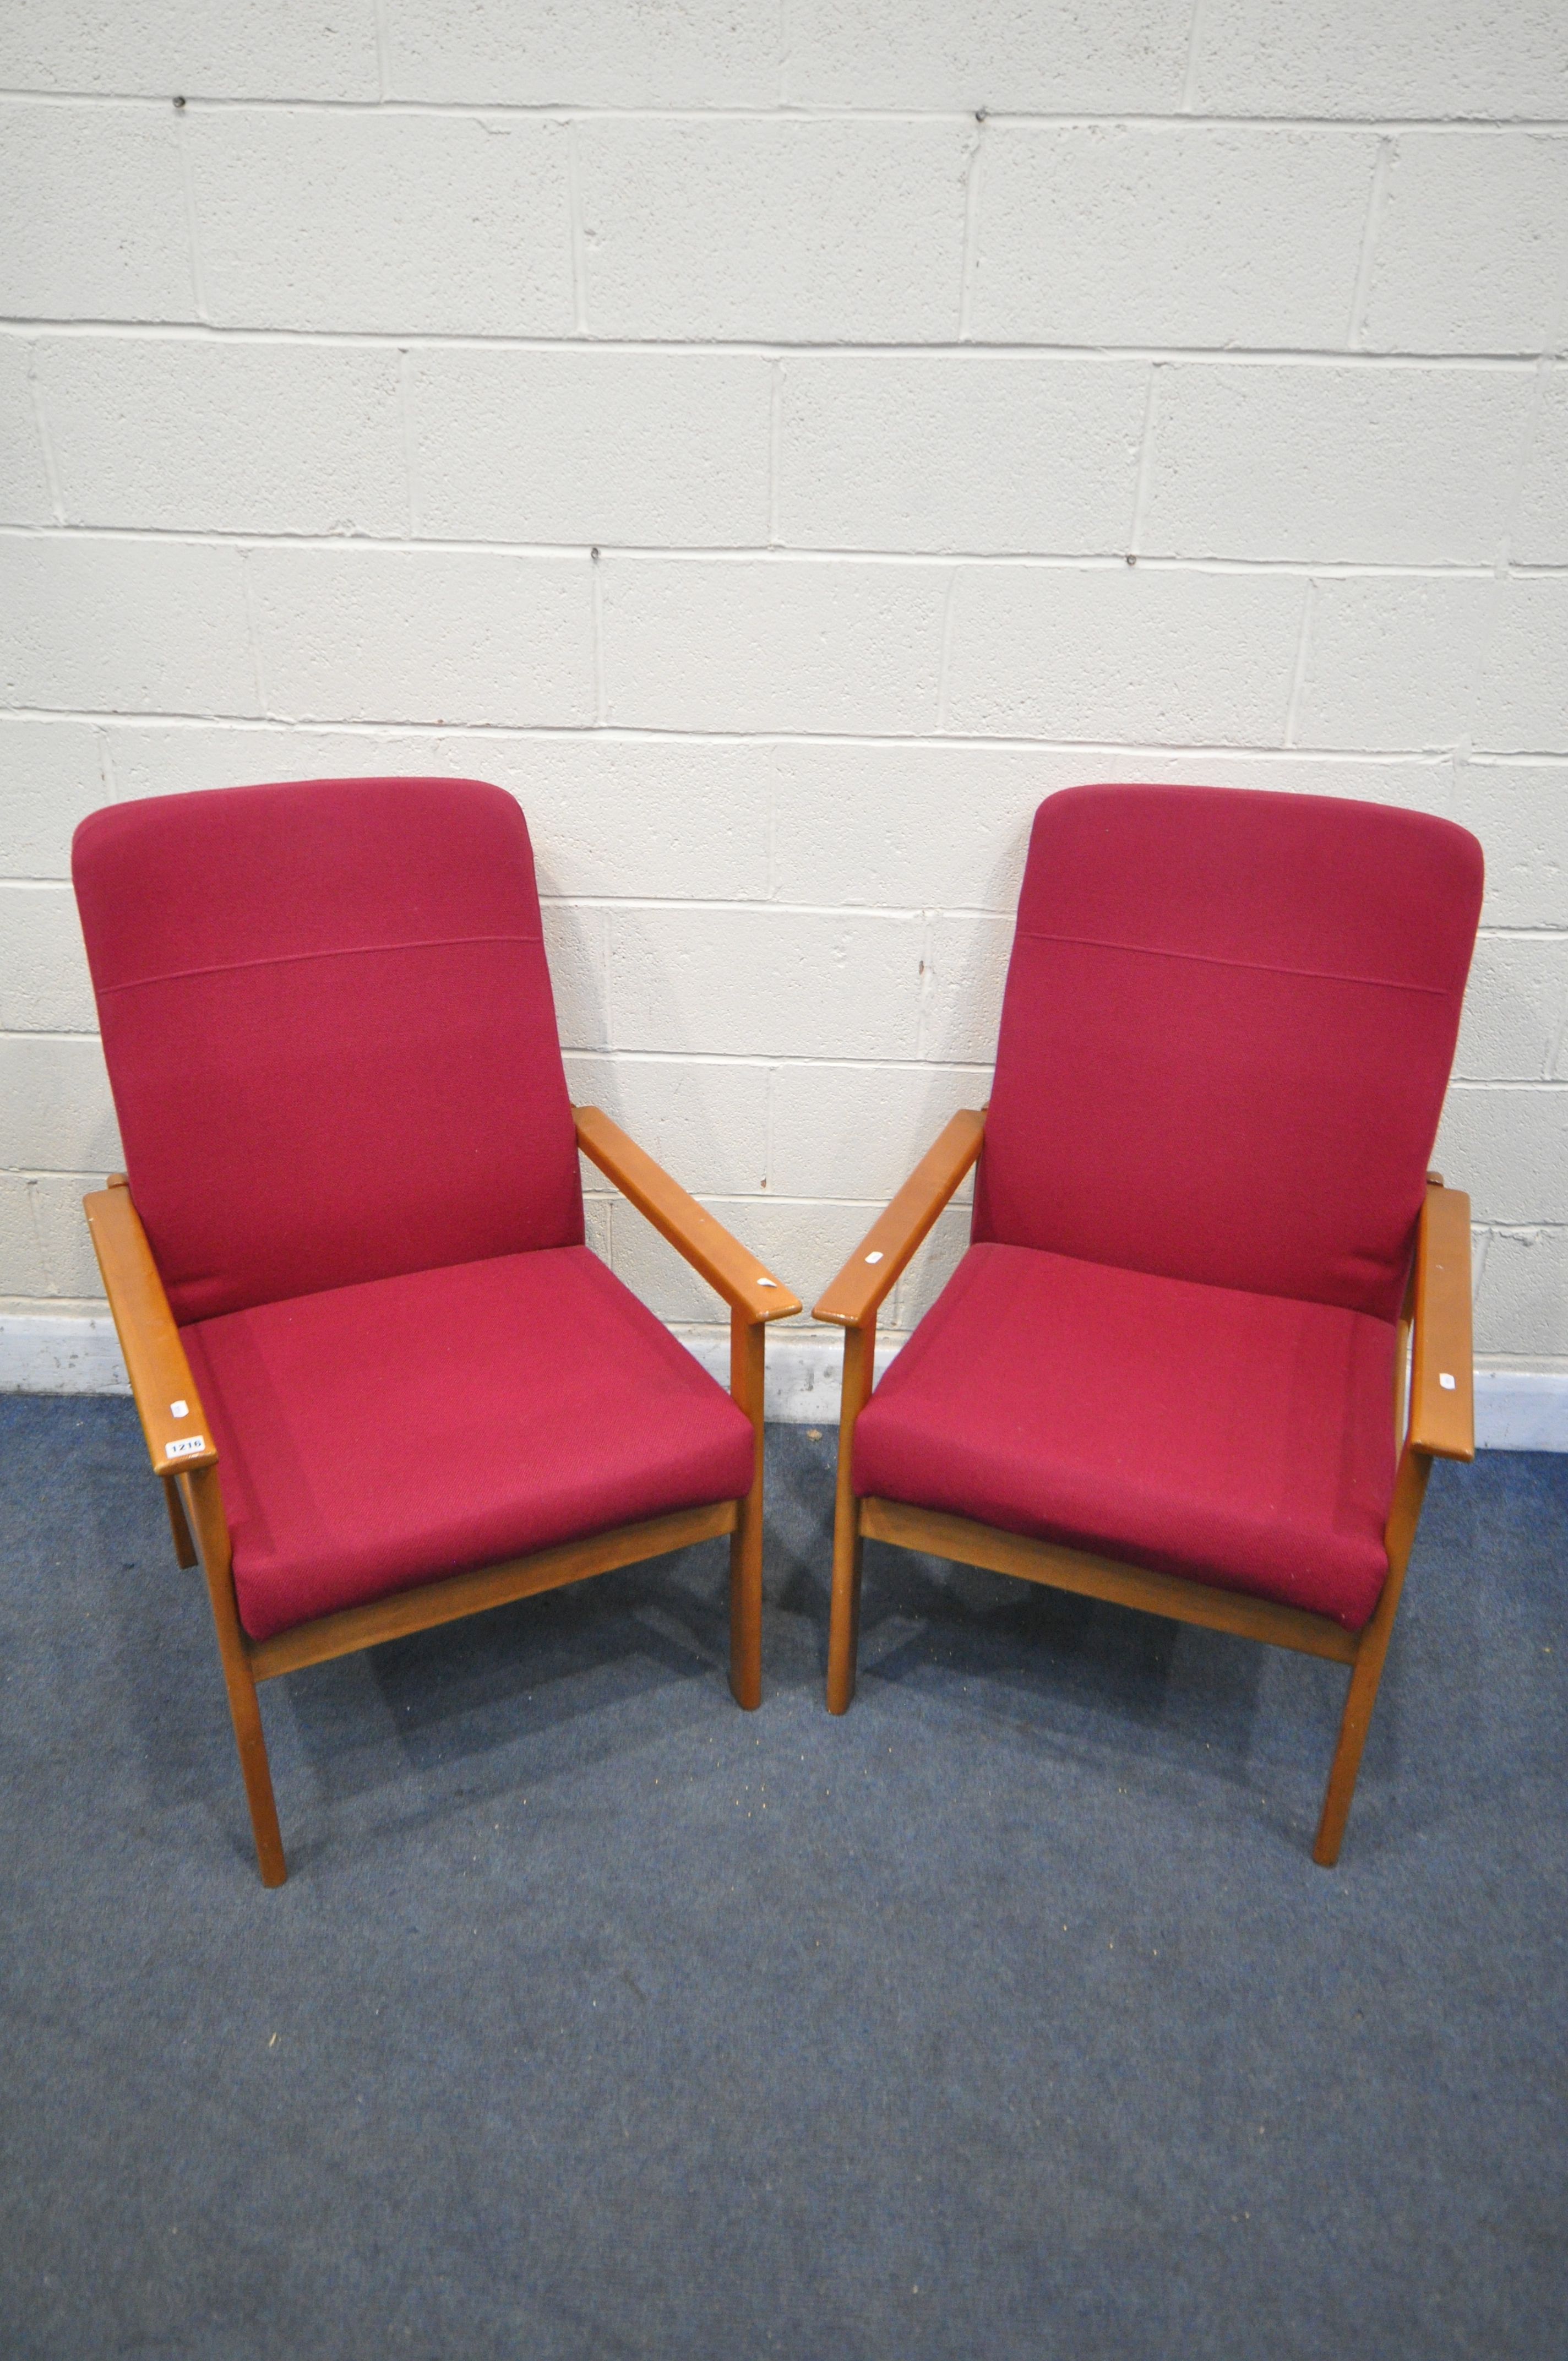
896,826
1478,59
856,1131
71,1267
972,451
177,434
23,1273
802,1244
576,944
1522,704
1179,234
44,984
1114,652
1540,536
670,818
56,1115
1507,1144
356,633
614,53
804,231
409,224
52,777
1349,465
1053,57
966,973
1392,661
165,758
763,982
24,479
646,449
704,1120
767,643
1519,811
1472,245
92,221
248,49
1521,1301
1515,1010
102,625
687,819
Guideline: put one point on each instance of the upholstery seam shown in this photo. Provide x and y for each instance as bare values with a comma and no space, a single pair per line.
294,959
1254,966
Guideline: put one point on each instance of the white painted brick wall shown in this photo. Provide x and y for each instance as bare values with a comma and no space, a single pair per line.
439,223
1472,245
186,435
865,341
1171,233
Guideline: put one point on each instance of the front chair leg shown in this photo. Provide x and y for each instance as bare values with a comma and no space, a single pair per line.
245,1706
185,1547
747,1366
1409,1493
844,1622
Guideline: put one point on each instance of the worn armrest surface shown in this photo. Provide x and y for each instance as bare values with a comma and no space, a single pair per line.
888,1245
171,1415
1443,1386
731,1269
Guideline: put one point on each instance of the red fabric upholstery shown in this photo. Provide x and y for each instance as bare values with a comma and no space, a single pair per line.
1242,1440
374,1437
330,1033
1227,1031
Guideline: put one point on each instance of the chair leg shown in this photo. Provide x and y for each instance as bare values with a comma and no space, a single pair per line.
245,1706
185,1547
844,1623
1409,1490
747,1365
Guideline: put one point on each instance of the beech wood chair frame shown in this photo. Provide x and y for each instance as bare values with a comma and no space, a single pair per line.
184,1456
1436,1420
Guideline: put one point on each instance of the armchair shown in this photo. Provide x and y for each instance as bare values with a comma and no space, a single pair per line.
1214,1325
381,1377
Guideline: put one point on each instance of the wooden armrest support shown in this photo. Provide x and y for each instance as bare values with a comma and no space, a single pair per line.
888,1245
729,1268
1443,1382
155,1357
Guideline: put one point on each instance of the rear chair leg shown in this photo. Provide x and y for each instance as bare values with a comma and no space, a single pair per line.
747,1346
1409,1490
844,1624
212,1528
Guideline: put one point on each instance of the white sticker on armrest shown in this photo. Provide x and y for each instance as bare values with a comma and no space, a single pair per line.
186,1447
179,1409
1445,1381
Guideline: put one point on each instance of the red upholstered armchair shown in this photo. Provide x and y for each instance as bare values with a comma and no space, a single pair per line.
1215,1322
381,1375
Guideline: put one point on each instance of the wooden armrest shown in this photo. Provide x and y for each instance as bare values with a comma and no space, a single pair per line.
1443,1383
167,1401
747,1285
866,1277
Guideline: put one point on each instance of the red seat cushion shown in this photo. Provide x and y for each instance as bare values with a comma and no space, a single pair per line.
374,1437
1242,1440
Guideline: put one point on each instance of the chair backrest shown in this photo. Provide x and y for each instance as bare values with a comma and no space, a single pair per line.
329,1032
1227,1031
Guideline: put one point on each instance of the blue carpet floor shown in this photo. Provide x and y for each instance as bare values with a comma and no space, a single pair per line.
1005,2017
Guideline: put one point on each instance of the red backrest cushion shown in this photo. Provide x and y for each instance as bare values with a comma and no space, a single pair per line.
329,1032
1227,1031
